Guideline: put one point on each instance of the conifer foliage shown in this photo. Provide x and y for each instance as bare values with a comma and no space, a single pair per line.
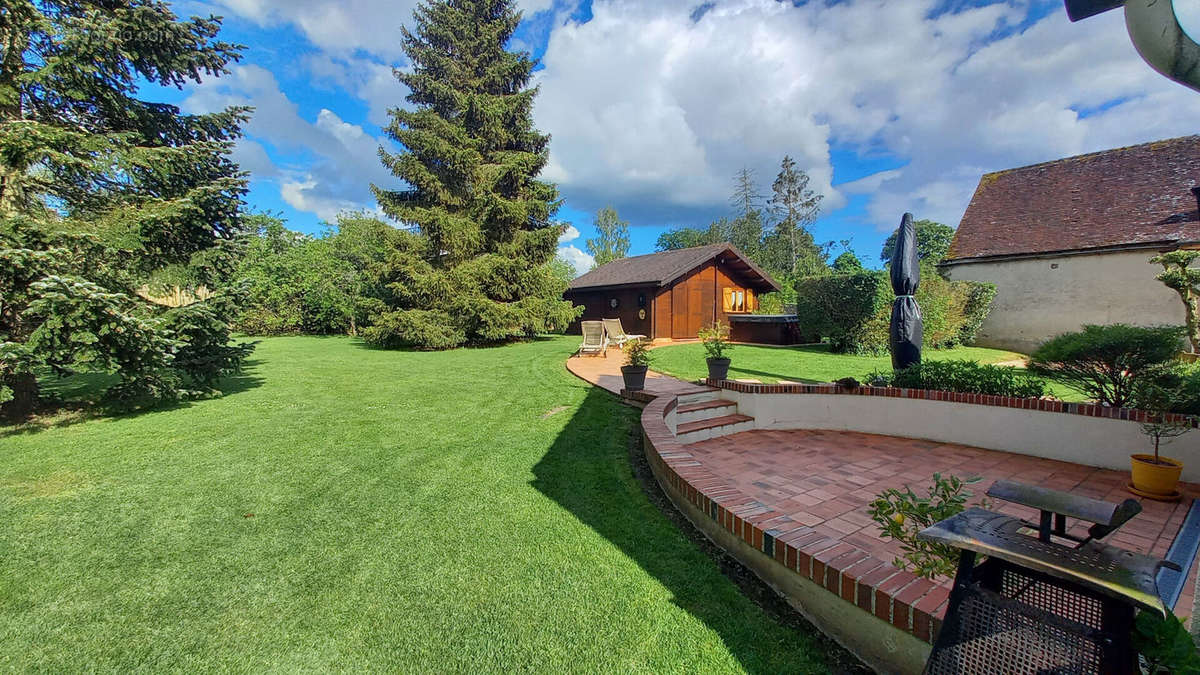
103,193
477,268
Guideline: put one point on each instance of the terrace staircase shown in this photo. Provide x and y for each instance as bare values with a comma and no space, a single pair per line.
702,415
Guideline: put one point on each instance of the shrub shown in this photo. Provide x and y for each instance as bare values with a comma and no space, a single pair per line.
414,328
901,514
847,309
1107,363
715,338
637,353
968,377
854,310
1165,644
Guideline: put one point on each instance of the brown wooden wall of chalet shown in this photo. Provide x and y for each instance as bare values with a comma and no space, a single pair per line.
676,311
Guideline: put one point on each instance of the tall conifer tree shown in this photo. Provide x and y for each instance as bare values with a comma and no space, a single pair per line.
478,269
102,192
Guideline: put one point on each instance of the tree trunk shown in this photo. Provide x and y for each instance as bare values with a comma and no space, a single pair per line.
1193,322
25,396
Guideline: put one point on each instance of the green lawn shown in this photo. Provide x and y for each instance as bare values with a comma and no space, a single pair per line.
348,508
814,363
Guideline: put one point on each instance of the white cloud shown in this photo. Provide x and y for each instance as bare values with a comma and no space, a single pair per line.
323,167
570,234
341,27
654,112
580,260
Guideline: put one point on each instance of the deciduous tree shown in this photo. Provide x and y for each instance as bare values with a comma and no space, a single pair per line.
612,241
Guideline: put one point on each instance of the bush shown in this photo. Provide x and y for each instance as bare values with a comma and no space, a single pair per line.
715,338
968,377
1165,644
419,328
1108,363
854,310
846,308
901,514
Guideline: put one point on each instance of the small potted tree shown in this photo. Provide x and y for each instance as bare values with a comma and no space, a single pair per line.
637,362
1155,476
715,339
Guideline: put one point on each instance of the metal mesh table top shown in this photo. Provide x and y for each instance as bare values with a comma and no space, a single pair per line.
1105,569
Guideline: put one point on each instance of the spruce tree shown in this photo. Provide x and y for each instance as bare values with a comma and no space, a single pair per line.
103,193
479,268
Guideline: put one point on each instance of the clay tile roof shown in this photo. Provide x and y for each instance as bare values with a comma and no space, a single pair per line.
1138,195
660,269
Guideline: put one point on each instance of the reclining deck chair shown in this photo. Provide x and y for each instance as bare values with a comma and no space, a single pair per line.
595,340
616,333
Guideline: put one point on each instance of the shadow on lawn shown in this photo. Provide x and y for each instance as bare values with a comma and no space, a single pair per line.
587,471
79,398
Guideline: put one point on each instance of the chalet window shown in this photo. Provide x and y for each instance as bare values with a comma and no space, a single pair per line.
734,300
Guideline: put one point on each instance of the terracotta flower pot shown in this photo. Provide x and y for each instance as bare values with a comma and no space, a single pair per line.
1155,481
718,369
635,377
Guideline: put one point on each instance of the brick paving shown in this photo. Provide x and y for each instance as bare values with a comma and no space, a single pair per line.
823,482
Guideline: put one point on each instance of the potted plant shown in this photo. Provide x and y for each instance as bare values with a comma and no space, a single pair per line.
1155,476
715,339
637,361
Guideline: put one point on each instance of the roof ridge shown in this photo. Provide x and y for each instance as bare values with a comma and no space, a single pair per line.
1086,155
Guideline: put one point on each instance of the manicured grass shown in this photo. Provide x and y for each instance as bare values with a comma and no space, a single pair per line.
814,363
805,363
347,508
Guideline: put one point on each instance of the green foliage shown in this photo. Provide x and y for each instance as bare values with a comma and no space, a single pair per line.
477,269
612,241
690,237
103,193
1107,363
853,310
966,377
1158,395
1179,276
847,263
1165,644
933,242
901,514
319,285
637,353
715,338
979,297
201,331
846,308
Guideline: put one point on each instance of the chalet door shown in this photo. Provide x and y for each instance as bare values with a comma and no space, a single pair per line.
696,306
679,308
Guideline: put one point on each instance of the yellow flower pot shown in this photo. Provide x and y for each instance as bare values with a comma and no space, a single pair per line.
1155,481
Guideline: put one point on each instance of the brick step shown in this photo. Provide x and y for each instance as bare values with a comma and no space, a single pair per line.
699,395
691,432
694,412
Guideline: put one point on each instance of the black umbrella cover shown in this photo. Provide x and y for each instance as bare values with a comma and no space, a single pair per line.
906,330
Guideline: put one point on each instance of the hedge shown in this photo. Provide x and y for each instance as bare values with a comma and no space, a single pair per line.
966,376
853,310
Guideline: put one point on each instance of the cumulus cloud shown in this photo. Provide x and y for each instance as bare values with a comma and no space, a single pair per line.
323,166
338,27
569,234
581,260
654,106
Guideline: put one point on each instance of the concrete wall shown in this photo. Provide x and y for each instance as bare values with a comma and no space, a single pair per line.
1093,441
1039,298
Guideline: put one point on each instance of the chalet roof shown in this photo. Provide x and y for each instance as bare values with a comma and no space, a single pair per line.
1137,196
660,269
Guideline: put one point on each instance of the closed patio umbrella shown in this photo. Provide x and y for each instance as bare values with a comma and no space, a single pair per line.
906,329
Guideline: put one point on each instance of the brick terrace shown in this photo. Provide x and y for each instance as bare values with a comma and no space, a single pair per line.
822,482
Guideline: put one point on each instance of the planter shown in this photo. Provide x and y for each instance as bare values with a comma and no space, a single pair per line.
635,377
1155,481
718,369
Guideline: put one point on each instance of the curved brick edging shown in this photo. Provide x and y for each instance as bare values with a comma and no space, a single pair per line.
884,616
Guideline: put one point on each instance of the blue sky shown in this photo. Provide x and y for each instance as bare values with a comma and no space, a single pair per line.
890,106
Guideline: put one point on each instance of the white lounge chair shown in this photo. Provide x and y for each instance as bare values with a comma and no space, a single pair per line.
595,339
616,333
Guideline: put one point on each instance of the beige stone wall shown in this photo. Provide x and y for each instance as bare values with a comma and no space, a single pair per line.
1037,299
